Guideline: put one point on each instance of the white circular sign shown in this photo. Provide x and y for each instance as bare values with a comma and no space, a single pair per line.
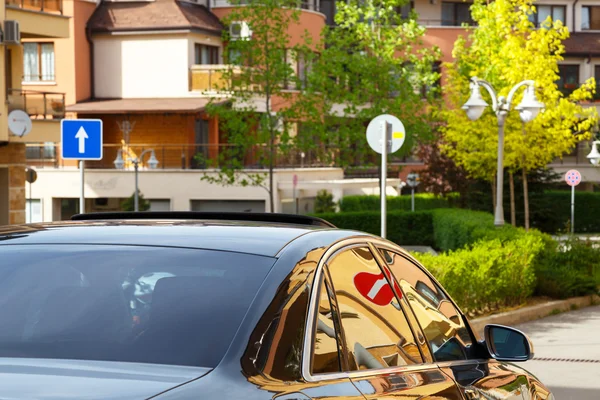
19,123
573,177
375,132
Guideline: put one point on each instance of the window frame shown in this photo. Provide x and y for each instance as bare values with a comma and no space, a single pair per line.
474,338
213,52
40,79
310,331
455,20
589,21
535,16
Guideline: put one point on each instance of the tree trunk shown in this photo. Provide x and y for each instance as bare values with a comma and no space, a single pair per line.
513,214
526,199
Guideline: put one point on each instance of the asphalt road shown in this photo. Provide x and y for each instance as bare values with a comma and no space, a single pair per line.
567,353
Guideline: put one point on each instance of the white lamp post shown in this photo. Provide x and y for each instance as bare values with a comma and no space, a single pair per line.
528,109
152,163
594,155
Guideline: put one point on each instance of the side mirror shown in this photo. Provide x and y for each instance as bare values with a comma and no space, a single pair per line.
507,344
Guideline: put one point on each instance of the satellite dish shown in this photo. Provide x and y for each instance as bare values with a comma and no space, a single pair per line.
19,123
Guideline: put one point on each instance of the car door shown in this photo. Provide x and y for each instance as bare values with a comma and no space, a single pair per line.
379,352
453,345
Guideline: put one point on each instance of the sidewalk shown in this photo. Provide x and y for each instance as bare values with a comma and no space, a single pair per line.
532,313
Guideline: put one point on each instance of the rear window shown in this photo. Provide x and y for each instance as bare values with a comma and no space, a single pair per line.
124,303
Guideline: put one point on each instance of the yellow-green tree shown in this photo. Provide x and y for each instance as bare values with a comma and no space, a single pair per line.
504,49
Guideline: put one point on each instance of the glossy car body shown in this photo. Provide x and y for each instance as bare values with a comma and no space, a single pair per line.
338,314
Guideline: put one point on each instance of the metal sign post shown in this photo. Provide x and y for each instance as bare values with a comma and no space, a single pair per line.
385,134
30,176
573,178
295,184
81,139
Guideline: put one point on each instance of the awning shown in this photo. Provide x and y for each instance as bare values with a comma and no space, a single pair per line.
141,106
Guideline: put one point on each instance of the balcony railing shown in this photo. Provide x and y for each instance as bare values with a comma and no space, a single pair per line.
445,23
195,156
213,78
39,105
52,6
302,4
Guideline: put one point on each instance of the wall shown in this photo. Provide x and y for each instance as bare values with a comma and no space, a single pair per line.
12,158
180,187
141,66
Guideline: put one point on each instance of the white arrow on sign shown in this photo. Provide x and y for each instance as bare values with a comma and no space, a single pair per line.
81,135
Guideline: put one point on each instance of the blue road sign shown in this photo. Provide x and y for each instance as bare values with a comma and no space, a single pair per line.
81,139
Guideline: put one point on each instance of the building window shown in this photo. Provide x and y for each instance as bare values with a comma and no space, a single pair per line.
434,88
206,55
569,78
556,13
405,9
38,62
456,14
328,8
590,18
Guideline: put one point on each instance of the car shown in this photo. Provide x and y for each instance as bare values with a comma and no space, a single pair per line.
181,306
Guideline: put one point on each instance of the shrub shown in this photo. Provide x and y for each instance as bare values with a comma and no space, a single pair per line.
455,228
556,206
423,201
488,274
129,203
569,269
404,228
324,202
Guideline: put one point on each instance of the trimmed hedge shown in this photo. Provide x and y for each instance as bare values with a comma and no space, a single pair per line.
404,228
489,274
423,201
555,211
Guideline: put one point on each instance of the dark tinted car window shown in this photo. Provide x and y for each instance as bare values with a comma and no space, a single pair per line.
376,330
441,321
124,303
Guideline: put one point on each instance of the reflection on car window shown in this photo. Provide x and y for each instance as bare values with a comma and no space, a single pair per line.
130,304
326,353
376,330
444,328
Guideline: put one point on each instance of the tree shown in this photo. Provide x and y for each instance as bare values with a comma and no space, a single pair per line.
324,202
129,203
506,48
258,120
373,62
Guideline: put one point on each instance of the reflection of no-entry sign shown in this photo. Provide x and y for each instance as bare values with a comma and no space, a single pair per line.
375,288
573,178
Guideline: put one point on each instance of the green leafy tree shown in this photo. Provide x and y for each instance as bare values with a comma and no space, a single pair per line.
129,203
504,49
261,87
373,62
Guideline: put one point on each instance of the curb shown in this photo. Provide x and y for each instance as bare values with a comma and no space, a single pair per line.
532,313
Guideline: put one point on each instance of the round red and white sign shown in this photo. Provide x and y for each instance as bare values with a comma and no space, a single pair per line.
573,177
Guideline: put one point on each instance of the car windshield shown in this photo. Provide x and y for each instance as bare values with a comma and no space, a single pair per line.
157,305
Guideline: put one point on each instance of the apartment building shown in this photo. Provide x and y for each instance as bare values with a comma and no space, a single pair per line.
41,21
147,69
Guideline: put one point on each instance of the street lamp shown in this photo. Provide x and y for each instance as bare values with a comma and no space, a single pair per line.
594,155
412,180
528,109
152,163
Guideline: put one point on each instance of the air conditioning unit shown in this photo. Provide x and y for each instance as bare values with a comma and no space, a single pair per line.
239,30
12,33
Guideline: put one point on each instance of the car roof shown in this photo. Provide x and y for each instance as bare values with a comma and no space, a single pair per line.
260,238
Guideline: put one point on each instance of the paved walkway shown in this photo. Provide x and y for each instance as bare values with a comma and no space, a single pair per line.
567,353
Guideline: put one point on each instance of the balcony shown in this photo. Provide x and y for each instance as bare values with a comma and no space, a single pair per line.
39,18
204,157
39,105
51,6
45,109
210,79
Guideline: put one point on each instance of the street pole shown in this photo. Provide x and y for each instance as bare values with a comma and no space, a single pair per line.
412,199
385,126
82,196
30,205
572,209
499,214
136,204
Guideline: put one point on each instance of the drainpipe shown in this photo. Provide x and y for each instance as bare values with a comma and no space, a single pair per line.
574,5
88,36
